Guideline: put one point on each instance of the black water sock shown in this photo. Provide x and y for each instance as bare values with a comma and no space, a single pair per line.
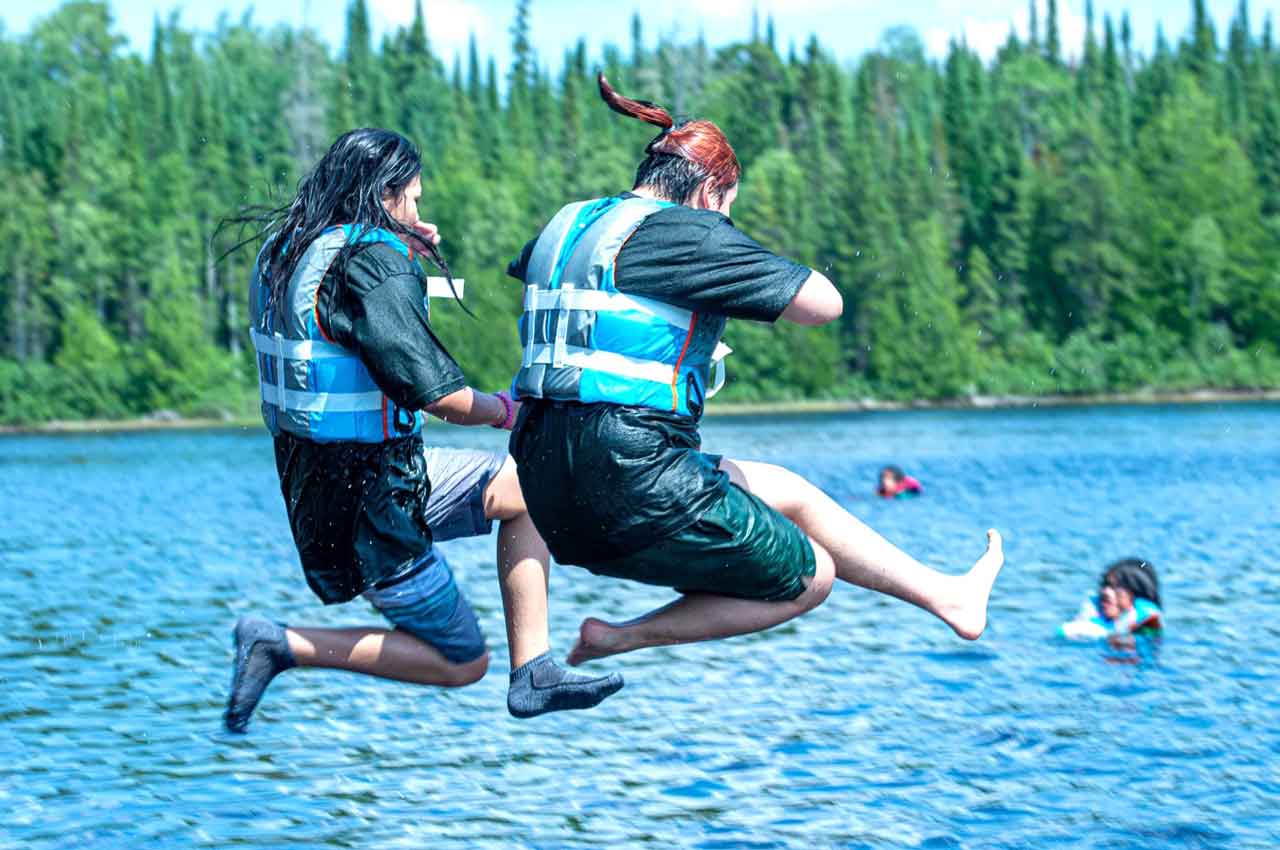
542,685
262,652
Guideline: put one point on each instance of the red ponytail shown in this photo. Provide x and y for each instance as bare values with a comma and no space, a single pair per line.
648,112
701,142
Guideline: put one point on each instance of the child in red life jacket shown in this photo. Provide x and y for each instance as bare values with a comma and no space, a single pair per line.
896,484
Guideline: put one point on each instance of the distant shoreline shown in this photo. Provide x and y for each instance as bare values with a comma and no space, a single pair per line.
998,402
171,422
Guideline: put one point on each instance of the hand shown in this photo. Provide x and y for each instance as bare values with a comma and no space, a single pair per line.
425,233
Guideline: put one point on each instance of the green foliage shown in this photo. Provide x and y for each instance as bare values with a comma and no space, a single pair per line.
1027,225
92,368
178,366
29,392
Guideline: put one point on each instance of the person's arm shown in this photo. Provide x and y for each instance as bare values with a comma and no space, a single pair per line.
389,330
697,260
472,407
817,303
385,321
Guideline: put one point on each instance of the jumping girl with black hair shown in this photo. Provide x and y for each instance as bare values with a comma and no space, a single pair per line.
626,300
348,365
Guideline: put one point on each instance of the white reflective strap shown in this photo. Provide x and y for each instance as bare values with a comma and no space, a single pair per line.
572,298
560,345
530,324
536,299
605,361
296,349
438,287
279,358
301,401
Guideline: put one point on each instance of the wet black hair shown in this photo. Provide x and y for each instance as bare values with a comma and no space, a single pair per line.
673,178
1136,575
895,471
347,186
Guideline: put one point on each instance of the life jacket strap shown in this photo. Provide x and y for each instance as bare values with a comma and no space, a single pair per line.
539,302
279,349
601,301
561,355
296,349
302,401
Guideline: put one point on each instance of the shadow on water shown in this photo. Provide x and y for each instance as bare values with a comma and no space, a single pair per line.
125,559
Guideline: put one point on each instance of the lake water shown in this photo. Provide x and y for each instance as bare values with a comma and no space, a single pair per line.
124,561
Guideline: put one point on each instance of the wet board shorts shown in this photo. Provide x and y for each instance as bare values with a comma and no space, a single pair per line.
425,601
740,547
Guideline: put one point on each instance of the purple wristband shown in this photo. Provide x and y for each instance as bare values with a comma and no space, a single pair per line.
509,416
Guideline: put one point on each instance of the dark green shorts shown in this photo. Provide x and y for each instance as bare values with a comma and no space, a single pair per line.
740,547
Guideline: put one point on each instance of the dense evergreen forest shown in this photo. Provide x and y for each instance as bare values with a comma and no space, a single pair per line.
1055,220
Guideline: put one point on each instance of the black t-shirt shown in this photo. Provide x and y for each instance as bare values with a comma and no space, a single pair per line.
634,475
381,314
697,260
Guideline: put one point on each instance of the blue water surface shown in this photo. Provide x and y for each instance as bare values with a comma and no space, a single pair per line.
125,559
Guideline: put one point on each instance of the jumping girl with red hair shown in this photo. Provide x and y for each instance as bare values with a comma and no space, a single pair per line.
626,299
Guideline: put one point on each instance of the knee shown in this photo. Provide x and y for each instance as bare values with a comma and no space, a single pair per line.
503,498
461,675
824,576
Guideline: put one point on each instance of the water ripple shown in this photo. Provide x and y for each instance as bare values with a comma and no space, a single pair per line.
125,559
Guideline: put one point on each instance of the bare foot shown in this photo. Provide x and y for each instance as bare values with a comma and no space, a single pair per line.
596,639
968,615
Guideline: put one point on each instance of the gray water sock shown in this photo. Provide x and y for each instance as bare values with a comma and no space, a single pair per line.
542,685
262,652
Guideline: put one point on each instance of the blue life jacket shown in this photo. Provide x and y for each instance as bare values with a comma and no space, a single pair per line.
311,386
586,341
1089,622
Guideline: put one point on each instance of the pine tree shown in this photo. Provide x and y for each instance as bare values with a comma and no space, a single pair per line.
1090,232
1189,169
1087,78
1053,41
1203,48
523,63
1126,40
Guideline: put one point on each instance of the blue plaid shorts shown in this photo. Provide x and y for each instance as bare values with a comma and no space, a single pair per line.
426,601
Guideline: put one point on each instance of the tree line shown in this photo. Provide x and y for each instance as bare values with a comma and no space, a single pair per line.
1047,221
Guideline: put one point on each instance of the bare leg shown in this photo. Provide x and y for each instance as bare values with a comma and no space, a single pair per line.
698,617
524,566
384,653
864,558
538,685
264,649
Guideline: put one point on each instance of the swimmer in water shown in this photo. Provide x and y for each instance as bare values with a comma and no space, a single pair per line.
1127,603
896,484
